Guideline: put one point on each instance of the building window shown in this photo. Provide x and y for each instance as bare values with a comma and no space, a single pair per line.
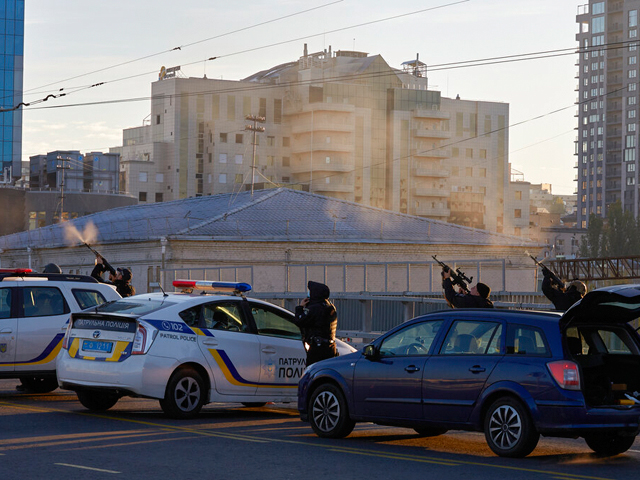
517,231
158,197
286,161
455,171
327,159
455,152
142,196
597,25
597,8
285,180
142,176
517,213
271,141
238,159
469,171
518,195
483,153
633,60
222,158
483,172
239,138
222,178
157,119
238,178
631,100
159,177
631,167
223,138
286,142
469,153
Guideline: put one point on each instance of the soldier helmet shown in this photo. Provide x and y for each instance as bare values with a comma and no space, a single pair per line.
52,268
579,286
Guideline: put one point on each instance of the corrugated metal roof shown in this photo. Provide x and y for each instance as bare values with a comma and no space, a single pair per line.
280,214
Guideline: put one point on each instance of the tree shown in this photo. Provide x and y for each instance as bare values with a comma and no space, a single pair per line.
618,236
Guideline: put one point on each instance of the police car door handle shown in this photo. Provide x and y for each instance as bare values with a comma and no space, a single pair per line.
6,330
211,342
411,369
269,350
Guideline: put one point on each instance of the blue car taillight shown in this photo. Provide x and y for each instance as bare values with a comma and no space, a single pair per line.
565,373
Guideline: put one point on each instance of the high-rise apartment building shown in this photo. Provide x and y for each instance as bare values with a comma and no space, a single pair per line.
342,124
606,145
11,69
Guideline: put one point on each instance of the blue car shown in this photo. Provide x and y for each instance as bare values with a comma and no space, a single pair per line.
514,375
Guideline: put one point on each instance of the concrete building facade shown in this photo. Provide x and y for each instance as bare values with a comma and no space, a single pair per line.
343,124
608,94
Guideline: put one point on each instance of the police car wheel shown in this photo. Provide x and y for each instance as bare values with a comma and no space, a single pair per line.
328,413
39,384
184,396
97,401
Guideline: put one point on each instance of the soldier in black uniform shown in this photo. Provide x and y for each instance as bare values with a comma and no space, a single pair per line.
121,278
478,296
561,297
317,318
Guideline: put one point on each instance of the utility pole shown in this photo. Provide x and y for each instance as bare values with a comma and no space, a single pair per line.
63,166
255,129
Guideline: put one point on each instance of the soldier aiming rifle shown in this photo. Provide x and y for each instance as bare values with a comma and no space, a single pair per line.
476,297
120,277
561,294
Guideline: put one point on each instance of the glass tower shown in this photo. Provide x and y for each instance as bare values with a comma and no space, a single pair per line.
11,69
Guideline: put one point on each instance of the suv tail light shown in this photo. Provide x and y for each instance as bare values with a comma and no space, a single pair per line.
565,373
145,335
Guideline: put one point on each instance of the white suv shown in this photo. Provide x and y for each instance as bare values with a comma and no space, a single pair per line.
34,312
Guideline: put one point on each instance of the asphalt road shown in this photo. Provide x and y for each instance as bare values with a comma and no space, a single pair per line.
52,436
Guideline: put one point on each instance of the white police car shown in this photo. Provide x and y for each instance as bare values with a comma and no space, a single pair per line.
185,349
34,312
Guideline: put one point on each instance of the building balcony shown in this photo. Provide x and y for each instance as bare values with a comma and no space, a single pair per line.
430,192
323,126
331,187
323,147
321,167
431,153
432,212
432,172
425,113
425,133
318,107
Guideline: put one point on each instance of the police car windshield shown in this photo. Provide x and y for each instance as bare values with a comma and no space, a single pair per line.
133,307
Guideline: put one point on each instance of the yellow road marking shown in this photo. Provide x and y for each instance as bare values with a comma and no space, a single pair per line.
248,438
86,468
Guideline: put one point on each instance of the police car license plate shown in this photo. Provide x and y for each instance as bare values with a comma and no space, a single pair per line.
95,346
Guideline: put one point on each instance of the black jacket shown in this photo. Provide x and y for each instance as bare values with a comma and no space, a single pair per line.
124,288
466,300
319,317
561,300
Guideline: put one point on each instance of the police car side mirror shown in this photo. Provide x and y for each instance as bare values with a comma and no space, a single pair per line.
370,352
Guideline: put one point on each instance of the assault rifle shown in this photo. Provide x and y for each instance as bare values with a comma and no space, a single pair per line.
457,277
547,272
106,264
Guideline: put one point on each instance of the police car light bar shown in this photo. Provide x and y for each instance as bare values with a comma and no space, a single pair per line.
212,286
16,270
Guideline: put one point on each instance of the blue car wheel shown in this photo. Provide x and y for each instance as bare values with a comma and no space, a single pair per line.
328,413
509,430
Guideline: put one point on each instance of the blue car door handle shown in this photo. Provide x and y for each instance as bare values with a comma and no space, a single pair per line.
411,369
477,369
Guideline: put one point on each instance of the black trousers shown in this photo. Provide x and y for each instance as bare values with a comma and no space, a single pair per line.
315,353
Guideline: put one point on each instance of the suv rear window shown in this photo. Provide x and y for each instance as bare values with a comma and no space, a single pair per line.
43,301
87,298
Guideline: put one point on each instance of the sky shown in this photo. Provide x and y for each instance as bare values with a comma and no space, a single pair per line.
122,44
